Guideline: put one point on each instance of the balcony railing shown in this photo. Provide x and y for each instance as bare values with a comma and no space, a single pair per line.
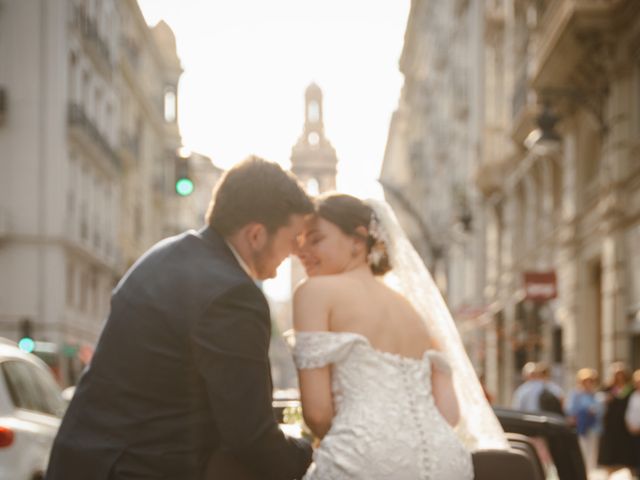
78,117
132,52
89,29
130,143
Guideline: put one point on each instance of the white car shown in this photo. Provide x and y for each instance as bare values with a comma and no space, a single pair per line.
31,407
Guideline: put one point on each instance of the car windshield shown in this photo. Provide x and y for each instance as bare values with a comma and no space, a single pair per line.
31,388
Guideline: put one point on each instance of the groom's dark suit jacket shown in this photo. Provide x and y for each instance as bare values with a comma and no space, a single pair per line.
180,371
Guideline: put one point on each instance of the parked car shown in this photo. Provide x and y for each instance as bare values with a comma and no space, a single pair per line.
551,436
31,407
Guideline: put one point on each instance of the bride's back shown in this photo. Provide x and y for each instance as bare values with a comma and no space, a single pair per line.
365,305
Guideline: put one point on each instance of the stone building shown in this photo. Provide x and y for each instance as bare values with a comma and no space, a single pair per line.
561,184
313,158
149,139
88,135
546,157
431,153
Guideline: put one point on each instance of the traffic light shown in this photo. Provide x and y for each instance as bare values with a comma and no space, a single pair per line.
184,184
26,342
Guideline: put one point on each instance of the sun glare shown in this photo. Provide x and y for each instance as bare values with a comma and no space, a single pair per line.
247,64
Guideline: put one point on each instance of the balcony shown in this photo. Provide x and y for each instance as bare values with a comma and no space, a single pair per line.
130,147
131,52
568,29
95,45
82,126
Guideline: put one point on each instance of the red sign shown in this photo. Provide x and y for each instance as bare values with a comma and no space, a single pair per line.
540,286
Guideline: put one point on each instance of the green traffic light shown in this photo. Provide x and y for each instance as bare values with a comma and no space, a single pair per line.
27,344
184,187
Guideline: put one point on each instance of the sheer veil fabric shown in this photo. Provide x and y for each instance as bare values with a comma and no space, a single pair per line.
478,427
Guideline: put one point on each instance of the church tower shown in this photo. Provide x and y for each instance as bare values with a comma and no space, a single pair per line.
313,159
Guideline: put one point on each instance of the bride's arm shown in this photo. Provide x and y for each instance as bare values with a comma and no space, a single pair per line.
311,313
444,393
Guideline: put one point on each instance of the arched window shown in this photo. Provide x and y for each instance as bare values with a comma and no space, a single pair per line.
313,111
313,187
170,105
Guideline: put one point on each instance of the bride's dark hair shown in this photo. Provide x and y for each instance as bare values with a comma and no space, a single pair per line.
348,213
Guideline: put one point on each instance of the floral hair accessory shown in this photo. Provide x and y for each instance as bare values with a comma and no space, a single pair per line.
378,250
374,227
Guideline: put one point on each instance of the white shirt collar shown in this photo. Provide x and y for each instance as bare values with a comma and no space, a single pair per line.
240,260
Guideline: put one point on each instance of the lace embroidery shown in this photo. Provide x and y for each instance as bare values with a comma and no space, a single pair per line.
439,361
319,349
386,424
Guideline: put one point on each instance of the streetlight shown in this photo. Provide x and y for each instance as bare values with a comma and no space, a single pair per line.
545,137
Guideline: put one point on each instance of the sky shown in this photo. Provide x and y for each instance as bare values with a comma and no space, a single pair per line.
247,64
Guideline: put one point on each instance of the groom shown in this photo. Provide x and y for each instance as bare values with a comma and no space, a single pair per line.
181,371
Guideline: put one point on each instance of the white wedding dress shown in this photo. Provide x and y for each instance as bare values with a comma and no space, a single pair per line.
386,424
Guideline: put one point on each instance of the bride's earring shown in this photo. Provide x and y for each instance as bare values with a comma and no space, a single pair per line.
354,251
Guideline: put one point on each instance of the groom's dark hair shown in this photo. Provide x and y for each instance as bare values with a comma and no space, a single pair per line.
256,190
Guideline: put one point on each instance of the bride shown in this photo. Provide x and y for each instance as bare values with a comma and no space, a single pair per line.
385,382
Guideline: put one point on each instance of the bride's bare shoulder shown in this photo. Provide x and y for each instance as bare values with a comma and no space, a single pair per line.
312,302
319,286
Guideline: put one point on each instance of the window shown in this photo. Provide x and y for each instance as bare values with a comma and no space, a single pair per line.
83,291
71,285
633,266
108,122
73,73
93,290
71,188
313,139
313,187
313,111
97,108
84,222
170,105
31,388
86,88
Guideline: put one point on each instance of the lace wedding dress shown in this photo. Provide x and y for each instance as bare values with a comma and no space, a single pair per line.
386,424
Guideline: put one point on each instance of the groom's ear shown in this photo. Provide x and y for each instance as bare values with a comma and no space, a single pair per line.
256,235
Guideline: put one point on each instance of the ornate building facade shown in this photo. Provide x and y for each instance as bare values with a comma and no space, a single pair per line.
431,153
149,138
550,176
561,185
88,140
313,158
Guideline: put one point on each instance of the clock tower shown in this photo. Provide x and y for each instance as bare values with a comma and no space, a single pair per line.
313,159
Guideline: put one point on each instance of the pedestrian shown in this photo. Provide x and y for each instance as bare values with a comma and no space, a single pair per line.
585,412
551,397
632,418
523,399
615,450
536,386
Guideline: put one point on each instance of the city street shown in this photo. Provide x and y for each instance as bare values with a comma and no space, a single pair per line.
504,136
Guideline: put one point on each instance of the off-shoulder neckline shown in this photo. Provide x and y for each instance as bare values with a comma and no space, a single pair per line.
365,339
